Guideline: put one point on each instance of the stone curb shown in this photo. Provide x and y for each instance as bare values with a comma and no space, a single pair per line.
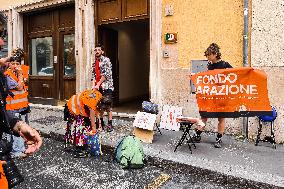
209,175
61,108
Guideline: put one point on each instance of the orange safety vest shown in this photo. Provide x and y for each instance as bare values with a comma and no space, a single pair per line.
77,102
92,98
20,99
25,75
3,179
76,106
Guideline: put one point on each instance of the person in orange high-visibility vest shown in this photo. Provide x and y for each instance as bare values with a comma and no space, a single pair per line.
16,85
15,126
80,113
17,104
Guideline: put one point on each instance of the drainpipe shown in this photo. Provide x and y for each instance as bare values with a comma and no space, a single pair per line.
245,56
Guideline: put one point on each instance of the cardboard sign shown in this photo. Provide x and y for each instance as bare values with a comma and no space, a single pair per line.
145,120
169,117
143,134
234,92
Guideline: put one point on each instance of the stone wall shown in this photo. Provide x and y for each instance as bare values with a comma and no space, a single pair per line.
267,49
267,33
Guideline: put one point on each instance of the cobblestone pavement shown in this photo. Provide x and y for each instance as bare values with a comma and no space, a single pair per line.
52,167
239,161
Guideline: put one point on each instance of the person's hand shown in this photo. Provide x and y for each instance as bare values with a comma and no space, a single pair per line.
96,87
19,70
3,162
30,135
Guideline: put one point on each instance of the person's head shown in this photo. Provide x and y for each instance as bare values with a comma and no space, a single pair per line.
99,50
213,53
13,65
17,55
105,103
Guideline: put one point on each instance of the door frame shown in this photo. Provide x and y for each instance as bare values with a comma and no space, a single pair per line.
115,63
61,76
56,31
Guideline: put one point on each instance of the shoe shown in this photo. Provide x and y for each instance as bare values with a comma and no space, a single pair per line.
109,128
80,154
218,143
196,138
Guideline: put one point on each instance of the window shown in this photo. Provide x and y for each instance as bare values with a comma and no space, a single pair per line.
41,56
69,55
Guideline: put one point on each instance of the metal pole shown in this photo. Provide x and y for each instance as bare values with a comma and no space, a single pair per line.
245,56
245,34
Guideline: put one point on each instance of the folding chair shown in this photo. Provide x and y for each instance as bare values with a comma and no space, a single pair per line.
267,119
185,126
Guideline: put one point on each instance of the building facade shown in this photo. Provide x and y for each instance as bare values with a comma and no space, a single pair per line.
61,34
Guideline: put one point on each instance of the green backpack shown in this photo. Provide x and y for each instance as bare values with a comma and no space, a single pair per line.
129,152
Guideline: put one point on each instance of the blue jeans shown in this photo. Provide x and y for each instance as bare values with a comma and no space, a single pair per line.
18,142
18,146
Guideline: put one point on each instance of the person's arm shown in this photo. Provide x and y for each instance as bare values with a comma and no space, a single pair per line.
93,119
30,135
228,65
20,83
97,86
4,61
106,69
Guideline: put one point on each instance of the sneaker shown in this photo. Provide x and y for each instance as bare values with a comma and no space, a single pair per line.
109,128
80,154
218,143
196,138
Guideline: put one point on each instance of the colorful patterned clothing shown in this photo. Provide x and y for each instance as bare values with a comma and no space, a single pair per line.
106,71
76,130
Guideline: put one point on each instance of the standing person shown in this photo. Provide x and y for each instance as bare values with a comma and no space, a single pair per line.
213,56
18,104
102,80
14,125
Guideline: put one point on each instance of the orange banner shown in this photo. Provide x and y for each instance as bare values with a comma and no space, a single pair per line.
234,92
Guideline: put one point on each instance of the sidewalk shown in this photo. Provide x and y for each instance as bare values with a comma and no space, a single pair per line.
258,166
